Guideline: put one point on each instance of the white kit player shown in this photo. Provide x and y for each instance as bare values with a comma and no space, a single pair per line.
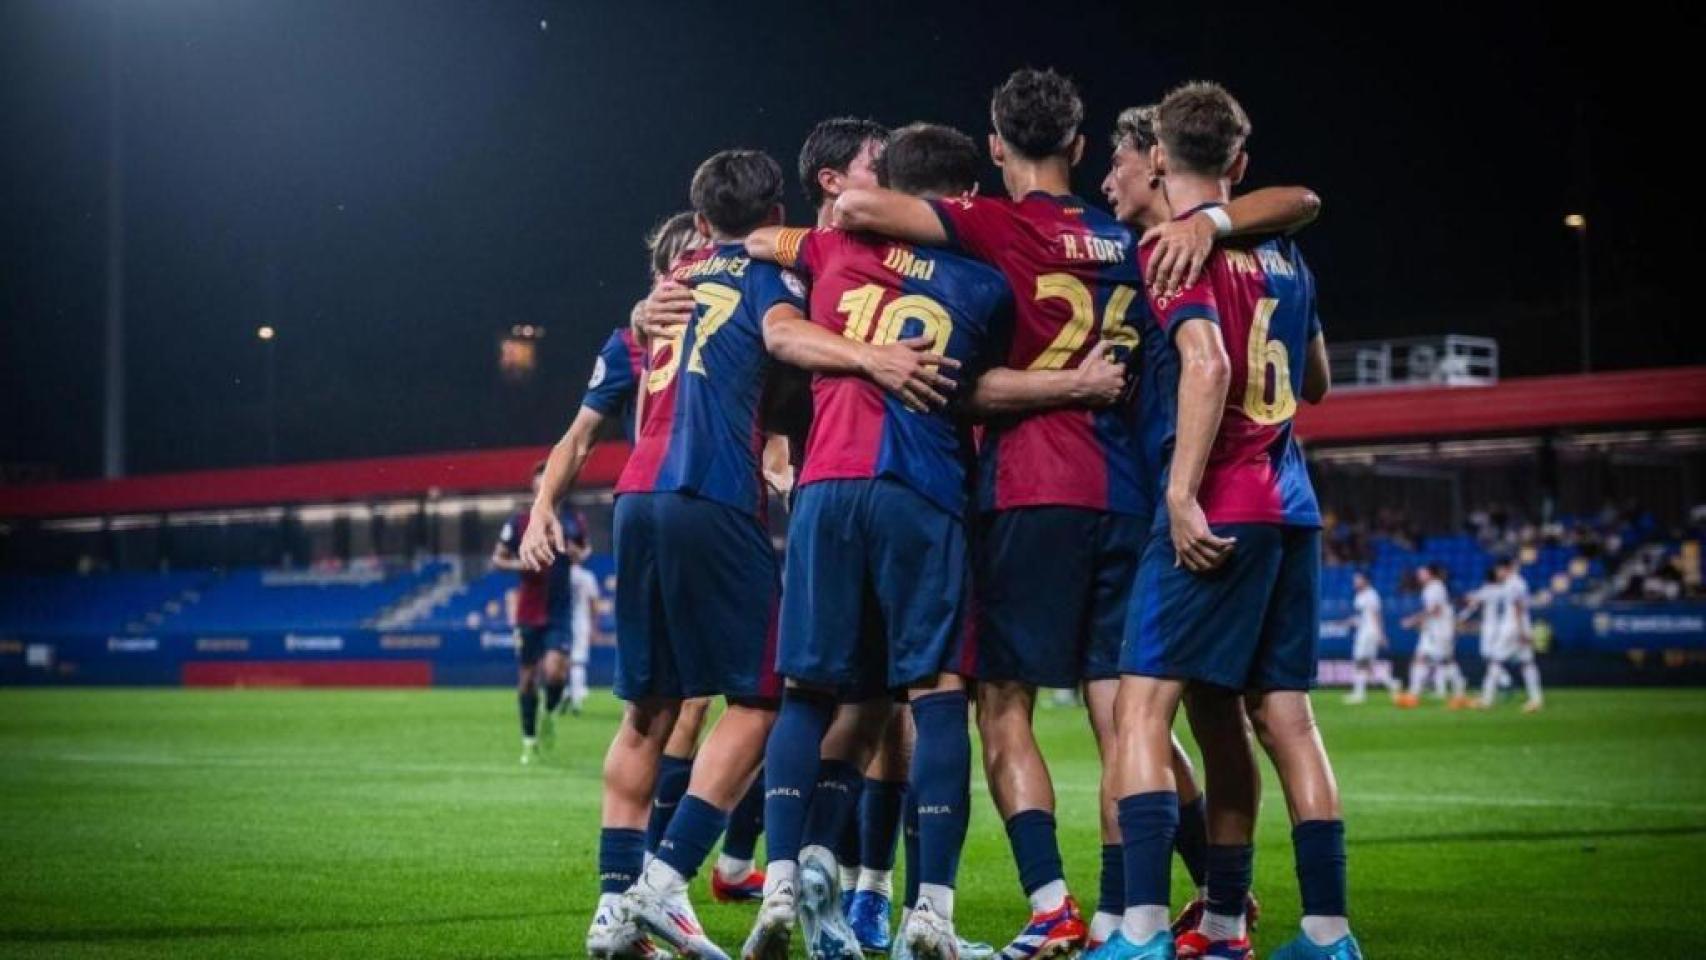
1370,639
582,622
1435,644
1514,641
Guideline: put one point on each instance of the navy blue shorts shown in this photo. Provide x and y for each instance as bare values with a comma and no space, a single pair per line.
1250,625
535,641
696,598
875,588
1051,586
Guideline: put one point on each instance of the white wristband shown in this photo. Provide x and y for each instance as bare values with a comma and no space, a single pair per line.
1222,222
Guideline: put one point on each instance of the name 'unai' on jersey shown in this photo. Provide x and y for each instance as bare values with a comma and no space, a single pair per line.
1263,299
700,429
881,291
1074,275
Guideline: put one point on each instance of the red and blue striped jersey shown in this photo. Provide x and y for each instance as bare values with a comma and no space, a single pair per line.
545,597
701,431
1262,297
615,375
880,291
1074,275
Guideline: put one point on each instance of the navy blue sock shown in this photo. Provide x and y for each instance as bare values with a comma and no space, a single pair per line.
847,840
1147,824
553,695
620,853
1191,842
693,831
834,808
1112,896
1035,848
1229,878
941,780
674,773
879,823
909,821
791,767
746,822
1319,846
529,704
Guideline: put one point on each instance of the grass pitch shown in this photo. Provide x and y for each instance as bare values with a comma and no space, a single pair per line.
299,824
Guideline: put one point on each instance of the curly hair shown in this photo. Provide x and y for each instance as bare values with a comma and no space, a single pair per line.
1037,112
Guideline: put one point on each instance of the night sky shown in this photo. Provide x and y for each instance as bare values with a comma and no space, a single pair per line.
393,183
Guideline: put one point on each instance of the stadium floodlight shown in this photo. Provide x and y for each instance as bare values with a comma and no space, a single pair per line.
1576,221
266,331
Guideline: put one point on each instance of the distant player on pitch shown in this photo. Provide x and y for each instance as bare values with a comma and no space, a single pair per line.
1370,639
1436,644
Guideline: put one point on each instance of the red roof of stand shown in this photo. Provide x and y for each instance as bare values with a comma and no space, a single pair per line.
1601,399
1670,395
324,482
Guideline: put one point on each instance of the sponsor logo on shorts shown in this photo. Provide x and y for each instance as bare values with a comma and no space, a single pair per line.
313,644
935,809
782,792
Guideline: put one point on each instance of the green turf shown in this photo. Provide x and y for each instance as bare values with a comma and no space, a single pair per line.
398,824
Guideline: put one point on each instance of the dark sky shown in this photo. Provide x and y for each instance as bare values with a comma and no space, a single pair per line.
394,182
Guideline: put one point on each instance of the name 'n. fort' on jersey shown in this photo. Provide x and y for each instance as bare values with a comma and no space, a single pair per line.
701,431
1075,281
1263,299
882,291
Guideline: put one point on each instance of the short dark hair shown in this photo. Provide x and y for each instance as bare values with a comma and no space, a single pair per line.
1202,127
669,239
1037,112
1135,126
736,190
832,145
929,158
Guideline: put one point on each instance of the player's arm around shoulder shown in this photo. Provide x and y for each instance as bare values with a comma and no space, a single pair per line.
891,213
905,368
1181,247
1099,381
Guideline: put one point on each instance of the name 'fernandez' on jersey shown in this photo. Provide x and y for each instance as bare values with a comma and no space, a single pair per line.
1075,280
882,291
701,430
1263,299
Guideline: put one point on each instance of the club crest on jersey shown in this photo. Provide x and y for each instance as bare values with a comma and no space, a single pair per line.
792,282
598,371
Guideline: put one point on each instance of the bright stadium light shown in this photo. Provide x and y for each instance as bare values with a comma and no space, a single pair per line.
1576,221
266,332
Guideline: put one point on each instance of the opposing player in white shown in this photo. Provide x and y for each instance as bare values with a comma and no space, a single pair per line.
1488,600
1436,644
582,622
1369,640
1516,636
